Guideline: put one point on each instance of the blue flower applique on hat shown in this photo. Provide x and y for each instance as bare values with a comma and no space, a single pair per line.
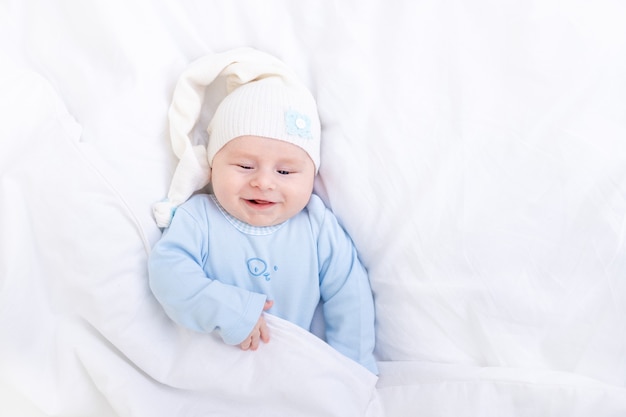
298,124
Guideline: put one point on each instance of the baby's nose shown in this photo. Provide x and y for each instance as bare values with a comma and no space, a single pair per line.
263,180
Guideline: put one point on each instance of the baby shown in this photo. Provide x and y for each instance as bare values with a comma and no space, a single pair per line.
261,241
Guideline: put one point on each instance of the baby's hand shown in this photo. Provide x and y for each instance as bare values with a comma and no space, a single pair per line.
259,332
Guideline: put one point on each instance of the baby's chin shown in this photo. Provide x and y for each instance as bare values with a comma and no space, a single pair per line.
258,219
262,222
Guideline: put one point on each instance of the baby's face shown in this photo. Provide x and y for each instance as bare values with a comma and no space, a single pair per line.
262,181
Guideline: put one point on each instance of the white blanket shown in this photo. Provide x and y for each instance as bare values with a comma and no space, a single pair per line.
475,151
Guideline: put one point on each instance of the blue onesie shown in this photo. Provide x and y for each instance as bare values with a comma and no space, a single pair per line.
211,271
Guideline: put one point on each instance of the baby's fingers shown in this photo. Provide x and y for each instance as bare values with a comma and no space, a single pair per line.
264,332
252,342
261,332
245,345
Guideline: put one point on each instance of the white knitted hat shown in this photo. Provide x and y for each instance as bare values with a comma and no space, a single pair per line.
269,107
264,98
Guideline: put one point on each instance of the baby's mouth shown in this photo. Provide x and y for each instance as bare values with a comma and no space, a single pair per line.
260,202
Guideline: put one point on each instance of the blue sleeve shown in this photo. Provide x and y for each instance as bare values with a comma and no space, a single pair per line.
190,298
348,303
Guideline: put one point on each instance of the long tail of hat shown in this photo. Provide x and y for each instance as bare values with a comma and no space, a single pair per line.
240,66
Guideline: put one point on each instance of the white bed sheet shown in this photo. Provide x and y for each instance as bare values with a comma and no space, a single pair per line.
476,152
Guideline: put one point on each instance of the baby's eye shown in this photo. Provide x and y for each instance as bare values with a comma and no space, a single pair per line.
283,172
245,166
